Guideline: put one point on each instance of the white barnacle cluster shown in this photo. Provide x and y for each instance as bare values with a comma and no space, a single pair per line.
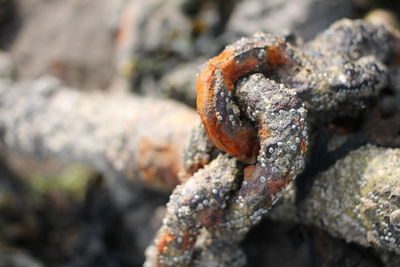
172,254
284,149
346,83
203,192
349,58
321,98
243,216
281,120
173,260
226,109
245,213
363,78
197,151
207,189
361,201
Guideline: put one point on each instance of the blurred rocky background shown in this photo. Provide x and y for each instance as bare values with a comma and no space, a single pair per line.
57,213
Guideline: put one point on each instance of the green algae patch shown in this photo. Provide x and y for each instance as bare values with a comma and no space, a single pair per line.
71,179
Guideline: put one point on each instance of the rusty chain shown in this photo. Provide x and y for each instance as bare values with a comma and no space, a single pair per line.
261,101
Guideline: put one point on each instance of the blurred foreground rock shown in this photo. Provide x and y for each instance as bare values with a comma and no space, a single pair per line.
118,135
73,40
43,225
305,18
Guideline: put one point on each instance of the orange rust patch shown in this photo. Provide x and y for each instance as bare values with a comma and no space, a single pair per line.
158,163
205,89
232,70
163,242
275,56
242,143
188,241
303,145
264,132
276,186
209,217
249,171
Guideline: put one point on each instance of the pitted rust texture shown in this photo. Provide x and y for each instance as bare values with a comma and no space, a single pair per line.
262,100
195,204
